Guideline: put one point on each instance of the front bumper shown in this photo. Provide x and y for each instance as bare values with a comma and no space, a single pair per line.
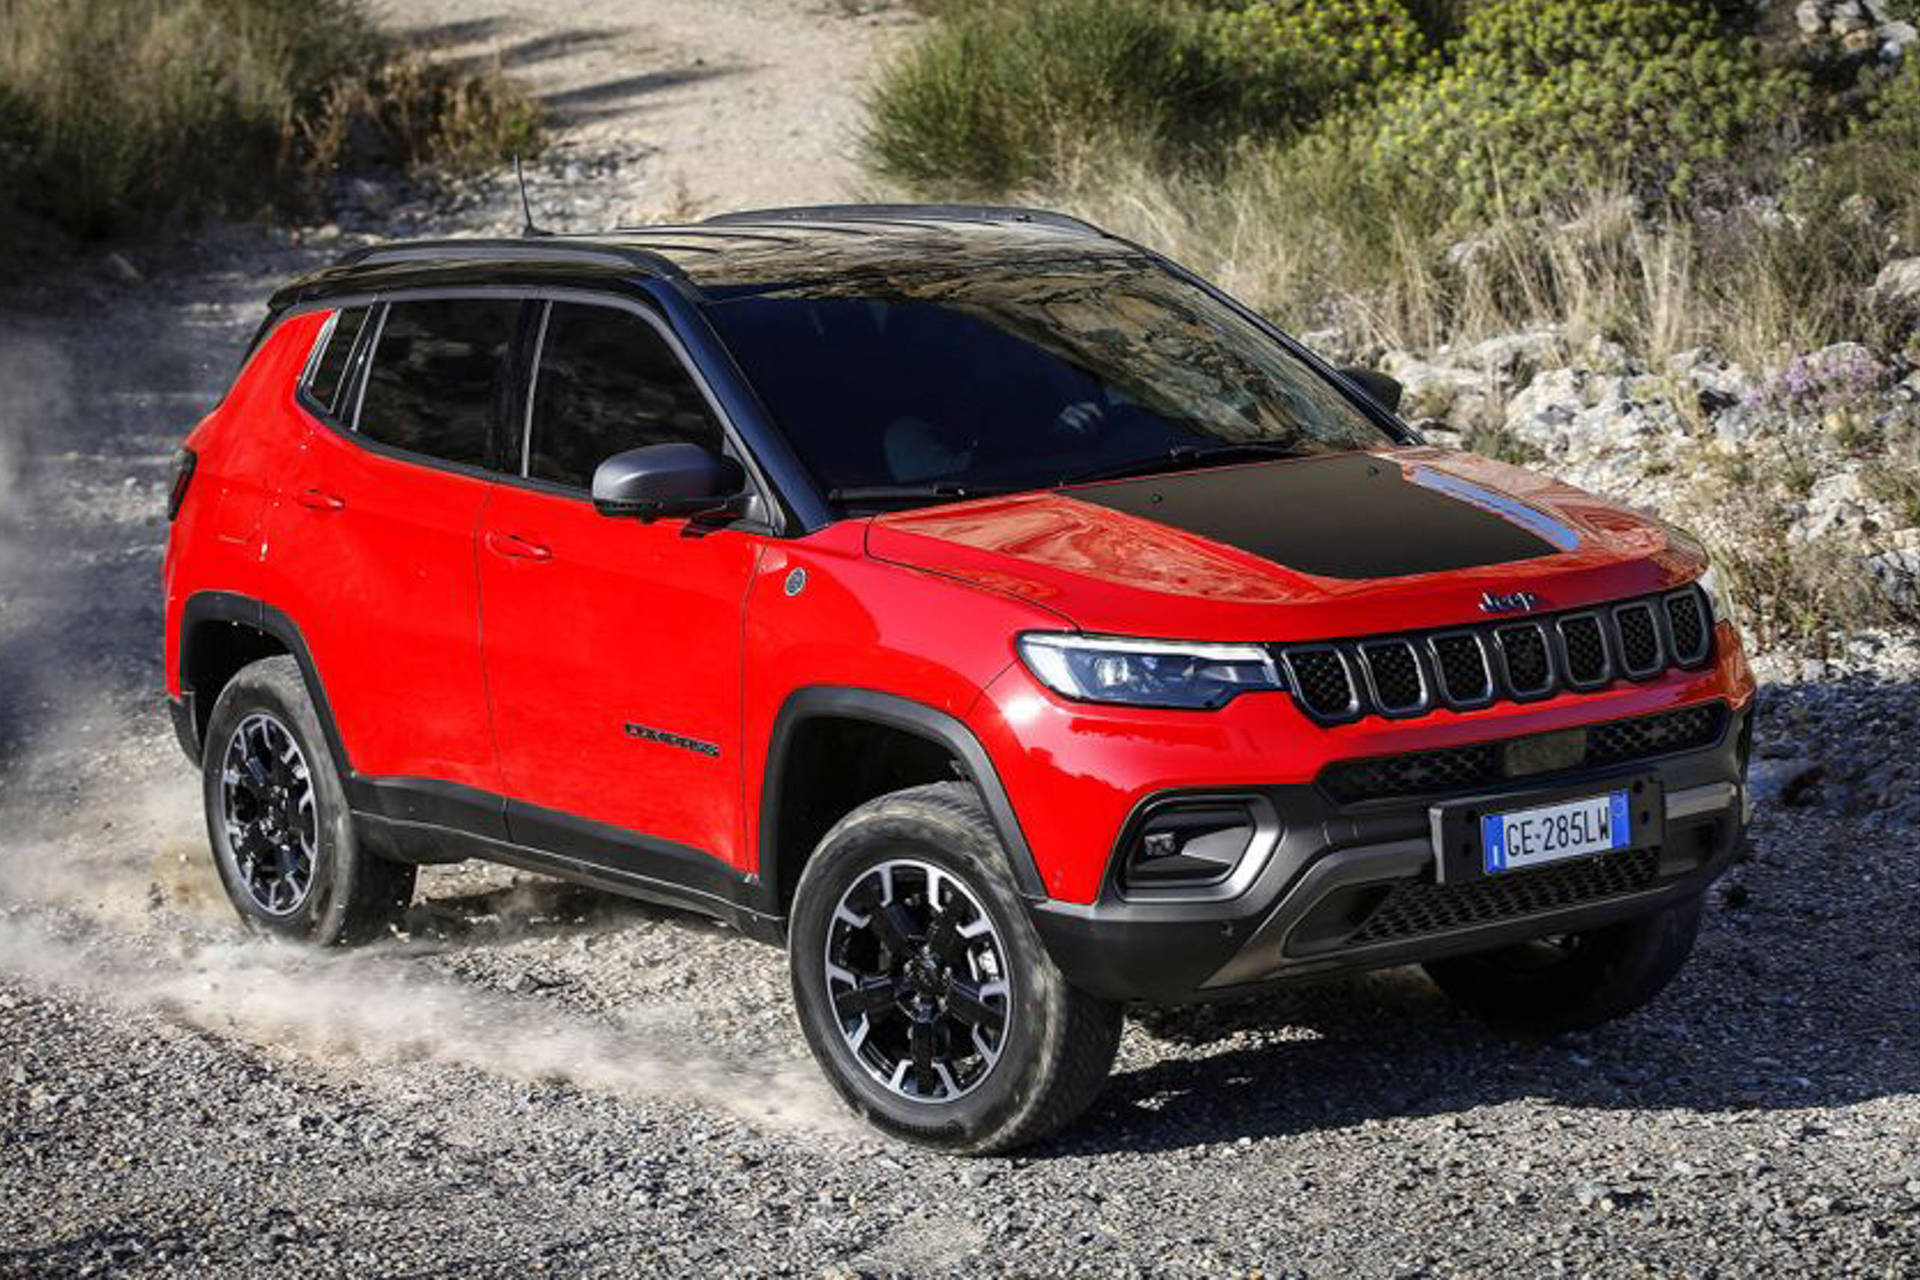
1354,886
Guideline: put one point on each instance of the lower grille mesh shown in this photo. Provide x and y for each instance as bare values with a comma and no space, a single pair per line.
1413,910
1480,764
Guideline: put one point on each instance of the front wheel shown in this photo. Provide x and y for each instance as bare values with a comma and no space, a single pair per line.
1576,980
923,988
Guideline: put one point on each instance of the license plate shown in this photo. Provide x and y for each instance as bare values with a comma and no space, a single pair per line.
1550,832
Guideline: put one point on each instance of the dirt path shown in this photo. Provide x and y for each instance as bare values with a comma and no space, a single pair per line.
711,104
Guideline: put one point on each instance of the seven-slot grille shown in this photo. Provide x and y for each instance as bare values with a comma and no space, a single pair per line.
1478,765
1409,675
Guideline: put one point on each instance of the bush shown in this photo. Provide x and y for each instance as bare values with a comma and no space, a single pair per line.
115,112
1539,98
1001,95
1286,63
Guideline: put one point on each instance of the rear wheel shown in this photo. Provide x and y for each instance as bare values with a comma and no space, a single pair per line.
923,989
1576,980
277,818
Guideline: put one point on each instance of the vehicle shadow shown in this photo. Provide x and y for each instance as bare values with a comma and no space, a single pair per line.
1776,1011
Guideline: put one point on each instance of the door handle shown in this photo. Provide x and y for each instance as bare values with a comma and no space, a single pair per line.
515,547
319,501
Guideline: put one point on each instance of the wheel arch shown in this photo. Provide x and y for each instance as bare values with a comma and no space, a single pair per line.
788,833
220,633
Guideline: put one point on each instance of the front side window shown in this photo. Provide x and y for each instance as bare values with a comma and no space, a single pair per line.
328,376
438,379
608,382
1024,375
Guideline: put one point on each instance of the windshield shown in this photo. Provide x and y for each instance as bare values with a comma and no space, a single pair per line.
997,378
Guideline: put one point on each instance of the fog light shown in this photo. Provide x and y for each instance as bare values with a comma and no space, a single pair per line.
1196,844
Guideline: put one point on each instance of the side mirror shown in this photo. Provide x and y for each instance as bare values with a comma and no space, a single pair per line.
1384,391
662,480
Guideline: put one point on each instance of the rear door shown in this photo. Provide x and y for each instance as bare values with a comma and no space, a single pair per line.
376,539
612,647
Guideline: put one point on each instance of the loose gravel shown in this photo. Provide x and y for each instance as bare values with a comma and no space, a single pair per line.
542,1079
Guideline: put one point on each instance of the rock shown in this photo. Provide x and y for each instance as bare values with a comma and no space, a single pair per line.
1515,356
1436,391
1541,414
121,269
1811,17
1896,575
370,196
1782,782
1838,504
1898,284
1896,38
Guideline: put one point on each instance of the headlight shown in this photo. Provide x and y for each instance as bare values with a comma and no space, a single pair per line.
1719,603
1147,673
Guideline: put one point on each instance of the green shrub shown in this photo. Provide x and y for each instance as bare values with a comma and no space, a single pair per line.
999,95
1541,97
1285,63
114,112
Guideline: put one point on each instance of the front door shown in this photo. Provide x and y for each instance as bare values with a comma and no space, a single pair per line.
612,647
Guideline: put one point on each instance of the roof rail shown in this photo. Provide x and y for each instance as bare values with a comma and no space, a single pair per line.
910,213
544,249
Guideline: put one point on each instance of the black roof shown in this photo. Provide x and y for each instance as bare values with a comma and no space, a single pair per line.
733,252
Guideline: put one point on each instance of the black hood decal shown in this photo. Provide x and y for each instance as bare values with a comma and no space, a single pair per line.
1346,516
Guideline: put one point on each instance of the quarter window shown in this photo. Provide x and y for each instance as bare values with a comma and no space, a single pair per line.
608,382
330,370
438,378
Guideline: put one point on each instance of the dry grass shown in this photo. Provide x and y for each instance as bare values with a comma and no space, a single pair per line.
115,113
1751,281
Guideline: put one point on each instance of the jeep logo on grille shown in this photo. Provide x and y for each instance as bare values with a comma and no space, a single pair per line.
1511,602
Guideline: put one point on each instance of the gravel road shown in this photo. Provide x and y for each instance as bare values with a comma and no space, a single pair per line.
544,1079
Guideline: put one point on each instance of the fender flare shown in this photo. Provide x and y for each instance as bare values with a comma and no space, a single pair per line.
895,712
229,606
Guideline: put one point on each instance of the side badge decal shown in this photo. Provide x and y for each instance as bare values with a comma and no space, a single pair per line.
796,582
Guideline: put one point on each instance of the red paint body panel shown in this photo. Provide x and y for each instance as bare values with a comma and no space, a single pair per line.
618,623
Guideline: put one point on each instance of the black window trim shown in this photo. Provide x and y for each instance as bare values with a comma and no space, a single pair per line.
355,356
759,519
773,519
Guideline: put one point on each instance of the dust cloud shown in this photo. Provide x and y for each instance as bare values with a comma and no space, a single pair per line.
107,890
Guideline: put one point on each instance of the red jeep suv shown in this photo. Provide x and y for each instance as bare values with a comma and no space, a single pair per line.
979,605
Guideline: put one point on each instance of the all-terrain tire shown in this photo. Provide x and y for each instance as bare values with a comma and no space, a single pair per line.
350,895
1583,980
1057,1044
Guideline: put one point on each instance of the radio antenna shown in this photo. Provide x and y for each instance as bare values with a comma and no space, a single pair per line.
526,206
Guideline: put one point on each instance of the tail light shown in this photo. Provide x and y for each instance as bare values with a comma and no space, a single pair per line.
184,461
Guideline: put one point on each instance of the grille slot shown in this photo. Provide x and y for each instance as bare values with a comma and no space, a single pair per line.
1585,642
1321,678
1479,765
1467,667
1399,687
1524,650
1415,909
1687,624
1461,663
1639,639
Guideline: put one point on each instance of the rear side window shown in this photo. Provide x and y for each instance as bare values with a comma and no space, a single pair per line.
438,378
328,374
608,382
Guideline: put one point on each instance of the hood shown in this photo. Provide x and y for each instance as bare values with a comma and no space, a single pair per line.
1346,544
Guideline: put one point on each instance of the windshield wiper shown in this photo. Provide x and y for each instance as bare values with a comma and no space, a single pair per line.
1182,457
886,494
